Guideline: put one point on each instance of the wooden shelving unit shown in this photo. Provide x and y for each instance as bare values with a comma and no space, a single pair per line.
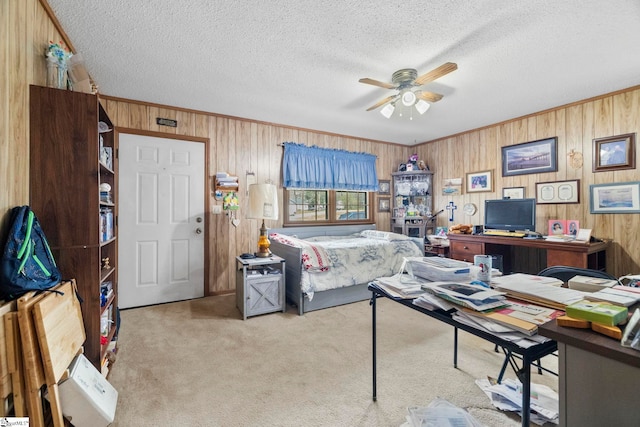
65,175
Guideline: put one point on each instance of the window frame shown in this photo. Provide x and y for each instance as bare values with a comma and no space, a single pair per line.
331,209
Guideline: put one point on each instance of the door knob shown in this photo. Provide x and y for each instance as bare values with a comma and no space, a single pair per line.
198,230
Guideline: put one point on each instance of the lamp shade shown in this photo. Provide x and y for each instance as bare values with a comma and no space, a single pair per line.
387,111
263,201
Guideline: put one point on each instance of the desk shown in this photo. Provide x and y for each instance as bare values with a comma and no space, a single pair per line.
583,255
528,355
598,378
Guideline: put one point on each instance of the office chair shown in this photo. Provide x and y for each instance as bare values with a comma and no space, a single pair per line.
560,272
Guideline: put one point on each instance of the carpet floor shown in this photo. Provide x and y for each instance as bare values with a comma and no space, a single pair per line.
197,363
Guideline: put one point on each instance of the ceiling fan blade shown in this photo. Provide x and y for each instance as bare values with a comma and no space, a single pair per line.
428,96
382,102
377,83
436,73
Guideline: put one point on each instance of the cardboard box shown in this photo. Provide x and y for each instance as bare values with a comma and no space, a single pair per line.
86,397
590,284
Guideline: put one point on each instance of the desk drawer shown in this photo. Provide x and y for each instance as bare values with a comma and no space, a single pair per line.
464,251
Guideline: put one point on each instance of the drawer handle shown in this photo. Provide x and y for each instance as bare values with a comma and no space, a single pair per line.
466,247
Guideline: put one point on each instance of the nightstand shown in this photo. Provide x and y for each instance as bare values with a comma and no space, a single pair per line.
260,285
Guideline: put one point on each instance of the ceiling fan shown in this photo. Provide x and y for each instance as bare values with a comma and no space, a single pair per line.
404,81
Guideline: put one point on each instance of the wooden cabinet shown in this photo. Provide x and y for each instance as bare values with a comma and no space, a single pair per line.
412,202
69,159
465,251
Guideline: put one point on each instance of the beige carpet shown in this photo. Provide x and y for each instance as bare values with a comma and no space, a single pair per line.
197,363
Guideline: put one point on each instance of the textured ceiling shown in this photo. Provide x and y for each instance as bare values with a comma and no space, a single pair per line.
298,62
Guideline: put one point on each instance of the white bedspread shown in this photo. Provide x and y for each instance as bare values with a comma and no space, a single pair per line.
353,259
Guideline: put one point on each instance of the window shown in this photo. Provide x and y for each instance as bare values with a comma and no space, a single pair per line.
327,207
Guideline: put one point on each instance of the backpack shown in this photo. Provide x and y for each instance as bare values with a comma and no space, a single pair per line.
27,263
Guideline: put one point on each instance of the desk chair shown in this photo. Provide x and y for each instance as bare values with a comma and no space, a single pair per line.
560,272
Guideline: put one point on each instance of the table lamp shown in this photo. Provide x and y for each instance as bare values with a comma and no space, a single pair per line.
263,204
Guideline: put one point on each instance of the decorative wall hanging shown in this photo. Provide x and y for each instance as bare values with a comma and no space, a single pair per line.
530,157
614,153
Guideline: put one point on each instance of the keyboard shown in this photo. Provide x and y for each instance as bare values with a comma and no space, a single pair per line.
503,233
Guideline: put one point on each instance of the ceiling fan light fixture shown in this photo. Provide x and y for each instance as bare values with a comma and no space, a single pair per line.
422,106
387,111
408,98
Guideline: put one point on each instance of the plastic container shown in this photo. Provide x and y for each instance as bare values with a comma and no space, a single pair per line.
448,270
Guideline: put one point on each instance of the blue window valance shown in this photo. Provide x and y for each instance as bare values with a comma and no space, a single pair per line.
328,169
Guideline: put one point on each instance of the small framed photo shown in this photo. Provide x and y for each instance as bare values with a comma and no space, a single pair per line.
614,153
384,186
623,197
558,192
513,193
452,187
384,204
557,227
480,182
530,157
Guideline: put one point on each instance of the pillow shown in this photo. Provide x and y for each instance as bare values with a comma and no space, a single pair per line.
383,235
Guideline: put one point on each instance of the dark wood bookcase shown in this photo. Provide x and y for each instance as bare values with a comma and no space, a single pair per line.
66,170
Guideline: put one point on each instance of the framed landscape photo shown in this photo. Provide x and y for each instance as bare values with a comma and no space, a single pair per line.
623,197
530,157
480,181
558,192
614,153
384,204
513,193
384,186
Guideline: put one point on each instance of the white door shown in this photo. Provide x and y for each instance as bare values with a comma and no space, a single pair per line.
161,220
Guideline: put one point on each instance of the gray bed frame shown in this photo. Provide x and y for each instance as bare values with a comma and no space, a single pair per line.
293,262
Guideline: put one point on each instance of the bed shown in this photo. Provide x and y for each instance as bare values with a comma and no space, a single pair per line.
328,266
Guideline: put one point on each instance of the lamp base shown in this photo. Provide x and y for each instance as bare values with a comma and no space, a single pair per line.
263,243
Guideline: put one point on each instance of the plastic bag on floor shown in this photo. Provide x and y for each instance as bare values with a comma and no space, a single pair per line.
440,413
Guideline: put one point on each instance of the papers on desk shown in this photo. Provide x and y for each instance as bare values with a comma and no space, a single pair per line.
471,296
498,329
401,286
520,316
538,290
507,396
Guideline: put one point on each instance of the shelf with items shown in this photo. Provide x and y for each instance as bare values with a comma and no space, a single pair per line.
73,147
412,202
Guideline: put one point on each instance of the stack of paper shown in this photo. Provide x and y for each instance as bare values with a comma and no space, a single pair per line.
471,296
401,286
520,316
537,291
614,296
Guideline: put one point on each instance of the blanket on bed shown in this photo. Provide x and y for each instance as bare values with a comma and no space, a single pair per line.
314,257
332,262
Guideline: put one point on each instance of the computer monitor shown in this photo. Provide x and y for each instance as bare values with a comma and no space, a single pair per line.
510,214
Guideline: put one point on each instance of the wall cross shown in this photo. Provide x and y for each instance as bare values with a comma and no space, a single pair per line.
451,207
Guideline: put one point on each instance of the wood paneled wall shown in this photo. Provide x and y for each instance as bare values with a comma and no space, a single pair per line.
238,146
25,31
576,126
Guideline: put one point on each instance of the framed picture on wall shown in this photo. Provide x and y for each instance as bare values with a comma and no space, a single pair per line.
614,153
513,193
384,204
480,181
530,157
558,192
384,186
622,197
